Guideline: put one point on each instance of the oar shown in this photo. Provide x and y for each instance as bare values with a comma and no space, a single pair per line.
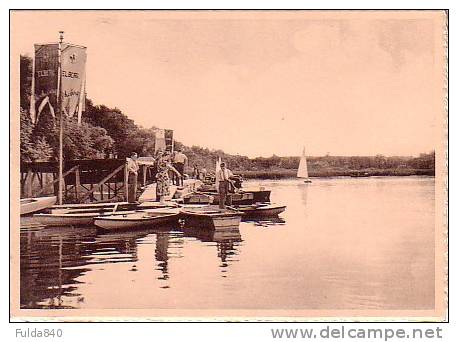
115,207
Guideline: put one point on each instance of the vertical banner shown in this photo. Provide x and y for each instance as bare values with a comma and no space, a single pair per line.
73,67
44,94
46,66
168,134
159,143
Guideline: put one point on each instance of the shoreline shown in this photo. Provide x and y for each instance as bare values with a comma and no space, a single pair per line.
284,174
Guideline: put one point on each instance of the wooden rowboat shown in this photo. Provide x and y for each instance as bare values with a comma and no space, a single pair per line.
260,194
139,219
32,205
211,218
84,216
104,205
71,218
260,209
237,198
197,198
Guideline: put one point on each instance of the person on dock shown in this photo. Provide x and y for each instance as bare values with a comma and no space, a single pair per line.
223,176
203,174
179,162
162,176
196,172
132,169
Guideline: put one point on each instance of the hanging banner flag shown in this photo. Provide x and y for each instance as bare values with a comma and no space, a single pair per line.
73,75
44,92
168,134
159,143
46,72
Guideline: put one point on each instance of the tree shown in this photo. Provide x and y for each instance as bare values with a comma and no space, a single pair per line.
25,81
32,148
118,126
84,141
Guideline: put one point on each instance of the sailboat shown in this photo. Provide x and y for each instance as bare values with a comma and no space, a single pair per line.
302,171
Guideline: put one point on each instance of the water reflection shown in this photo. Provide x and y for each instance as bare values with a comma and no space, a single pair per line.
161,254
266,221
341,244
304,190
51,260
168,245
227,241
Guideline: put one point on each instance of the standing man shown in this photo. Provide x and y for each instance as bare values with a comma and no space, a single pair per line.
223,178
132,169
196,172
179,162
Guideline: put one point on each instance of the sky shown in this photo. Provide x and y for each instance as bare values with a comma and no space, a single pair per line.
260,83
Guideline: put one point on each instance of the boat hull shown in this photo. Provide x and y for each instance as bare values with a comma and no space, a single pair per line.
137,220
198,199
93,206
32,205
237,198
258,196
65,219
267,211
73,218
214,221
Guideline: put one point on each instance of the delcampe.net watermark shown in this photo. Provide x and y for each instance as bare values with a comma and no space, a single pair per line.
345,332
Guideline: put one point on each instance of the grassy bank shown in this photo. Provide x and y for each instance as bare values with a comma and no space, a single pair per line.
289,173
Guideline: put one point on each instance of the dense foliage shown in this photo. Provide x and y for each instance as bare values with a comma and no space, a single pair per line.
108,132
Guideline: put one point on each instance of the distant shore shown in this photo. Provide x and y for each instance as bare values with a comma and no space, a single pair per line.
288,173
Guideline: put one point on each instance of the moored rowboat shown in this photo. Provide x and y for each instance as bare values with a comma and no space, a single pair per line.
197,198
95,206
72,218
257,210
237,198
31,205
138,219
211,218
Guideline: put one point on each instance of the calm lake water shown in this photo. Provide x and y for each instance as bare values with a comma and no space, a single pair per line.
349,243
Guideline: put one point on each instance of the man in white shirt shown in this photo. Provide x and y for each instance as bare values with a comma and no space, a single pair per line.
132,168
223,179
179,161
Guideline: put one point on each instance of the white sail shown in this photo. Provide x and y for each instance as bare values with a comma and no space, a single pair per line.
302,171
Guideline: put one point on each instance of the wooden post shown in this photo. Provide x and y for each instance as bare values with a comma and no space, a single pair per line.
40,177
144,175
126,183
23,180
34,176
77,183
54,183
29,183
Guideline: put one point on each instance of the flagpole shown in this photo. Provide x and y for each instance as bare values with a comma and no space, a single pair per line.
61,117
32,96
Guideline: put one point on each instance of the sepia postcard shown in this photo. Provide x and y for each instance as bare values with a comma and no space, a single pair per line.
229,165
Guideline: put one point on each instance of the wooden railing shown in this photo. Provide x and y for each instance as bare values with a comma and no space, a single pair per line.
82,179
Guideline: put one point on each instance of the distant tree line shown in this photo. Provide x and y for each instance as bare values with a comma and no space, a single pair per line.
203,157
109,133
